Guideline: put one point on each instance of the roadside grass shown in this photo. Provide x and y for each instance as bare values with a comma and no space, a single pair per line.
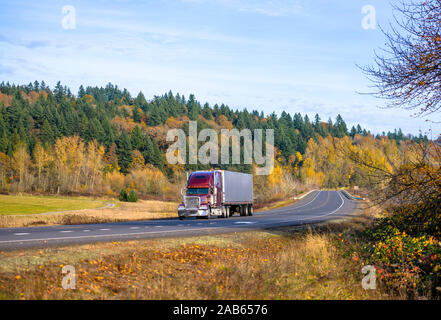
27,204
122,211
284,263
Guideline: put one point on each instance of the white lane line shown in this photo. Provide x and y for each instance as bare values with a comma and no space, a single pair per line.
66,231
134,228
308,202
111,235
328,214
104,229
288,209
86,230
156,227
315,217
21,234
244,222
304,195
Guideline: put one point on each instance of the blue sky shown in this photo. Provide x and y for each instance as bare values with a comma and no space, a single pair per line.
294,55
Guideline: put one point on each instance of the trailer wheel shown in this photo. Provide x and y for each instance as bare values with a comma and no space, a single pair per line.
227,212
250,210
181,217
243,211
224,212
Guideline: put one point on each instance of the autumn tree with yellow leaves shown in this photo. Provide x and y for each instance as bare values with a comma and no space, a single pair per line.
42,159
20,162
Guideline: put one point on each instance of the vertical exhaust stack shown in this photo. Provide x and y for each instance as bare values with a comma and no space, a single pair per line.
182,191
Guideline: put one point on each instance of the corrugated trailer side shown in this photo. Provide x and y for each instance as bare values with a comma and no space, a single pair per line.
238,187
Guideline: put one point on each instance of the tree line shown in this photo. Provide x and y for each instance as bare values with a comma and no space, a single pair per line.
35,113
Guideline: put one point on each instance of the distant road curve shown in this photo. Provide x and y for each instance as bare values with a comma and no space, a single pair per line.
318,206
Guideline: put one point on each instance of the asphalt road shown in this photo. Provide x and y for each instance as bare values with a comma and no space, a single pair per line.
318,206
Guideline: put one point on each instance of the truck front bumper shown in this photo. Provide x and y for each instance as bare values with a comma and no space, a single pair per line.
202,212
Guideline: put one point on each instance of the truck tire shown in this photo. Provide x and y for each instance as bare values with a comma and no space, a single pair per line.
243,211
227,212
250,210
181,217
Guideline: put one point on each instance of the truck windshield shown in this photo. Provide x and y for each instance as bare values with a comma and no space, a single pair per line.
197,191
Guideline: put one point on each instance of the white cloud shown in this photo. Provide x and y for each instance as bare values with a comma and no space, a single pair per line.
273,8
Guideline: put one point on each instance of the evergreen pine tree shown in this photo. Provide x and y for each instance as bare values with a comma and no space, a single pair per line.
192,108
353,132
136,138
147,149
81,92
109,136
136,114
157,159
4,142
124,152
46,133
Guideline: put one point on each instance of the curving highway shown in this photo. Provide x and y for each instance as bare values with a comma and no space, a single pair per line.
317,206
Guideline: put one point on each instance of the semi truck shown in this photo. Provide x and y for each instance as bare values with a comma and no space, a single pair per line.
217,193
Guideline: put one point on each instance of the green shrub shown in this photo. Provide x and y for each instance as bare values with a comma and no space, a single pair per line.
132,197
404,262
123,196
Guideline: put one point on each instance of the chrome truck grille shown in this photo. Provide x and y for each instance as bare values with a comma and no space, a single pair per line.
192,202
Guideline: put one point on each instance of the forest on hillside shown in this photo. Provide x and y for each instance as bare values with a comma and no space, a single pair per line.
102,140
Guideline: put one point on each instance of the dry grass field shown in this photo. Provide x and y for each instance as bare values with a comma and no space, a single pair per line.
288,263
122,211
